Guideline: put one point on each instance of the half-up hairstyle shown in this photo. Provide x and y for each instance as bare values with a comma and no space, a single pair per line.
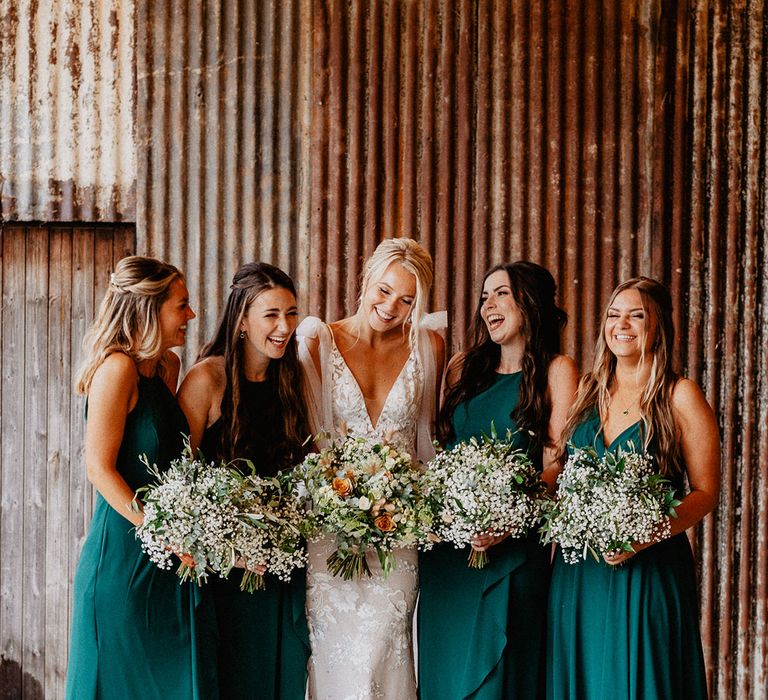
285,374
415,260
656,400
533,289
128,318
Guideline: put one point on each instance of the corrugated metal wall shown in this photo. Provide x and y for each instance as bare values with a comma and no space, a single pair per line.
67,110
224,166
602,139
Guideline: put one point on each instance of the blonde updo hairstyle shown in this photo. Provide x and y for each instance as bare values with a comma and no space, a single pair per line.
415,260
128,318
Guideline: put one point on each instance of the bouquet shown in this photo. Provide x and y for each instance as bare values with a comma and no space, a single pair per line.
605,504
219,518
367,495
484,485
269,531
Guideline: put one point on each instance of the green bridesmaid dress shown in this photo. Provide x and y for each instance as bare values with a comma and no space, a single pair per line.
481,631
263,636
630,631
136,631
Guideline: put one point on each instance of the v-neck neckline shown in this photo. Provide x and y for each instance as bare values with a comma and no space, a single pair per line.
609,445
373,425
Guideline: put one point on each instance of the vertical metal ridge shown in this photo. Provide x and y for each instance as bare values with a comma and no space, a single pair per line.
67,125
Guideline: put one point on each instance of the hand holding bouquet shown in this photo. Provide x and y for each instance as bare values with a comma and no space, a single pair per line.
219,517
604,505
367,495
483,486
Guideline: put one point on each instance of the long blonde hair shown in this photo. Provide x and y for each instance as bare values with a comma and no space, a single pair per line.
656,400
415,260
128,318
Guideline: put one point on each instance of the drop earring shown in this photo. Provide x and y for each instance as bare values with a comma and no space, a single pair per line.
242,335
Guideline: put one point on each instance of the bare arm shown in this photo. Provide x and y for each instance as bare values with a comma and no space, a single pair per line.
200,397
700,439
562,382
113,394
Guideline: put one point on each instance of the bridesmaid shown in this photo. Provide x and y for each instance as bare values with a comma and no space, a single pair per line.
244,399
511,376
136,632
632,631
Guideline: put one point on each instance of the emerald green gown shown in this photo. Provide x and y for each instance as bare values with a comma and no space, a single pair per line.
136,631
630,631
481,631
263,636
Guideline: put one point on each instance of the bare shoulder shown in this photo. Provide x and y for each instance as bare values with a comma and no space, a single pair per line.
207,375
562,366
689,402
115,379
117,368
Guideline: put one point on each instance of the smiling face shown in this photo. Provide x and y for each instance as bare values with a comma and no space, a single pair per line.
388,301
270,322
499,309
629,328
174,314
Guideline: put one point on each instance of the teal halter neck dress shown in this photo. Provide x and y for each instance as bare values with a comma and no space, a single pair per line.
136,631
628,631
481,631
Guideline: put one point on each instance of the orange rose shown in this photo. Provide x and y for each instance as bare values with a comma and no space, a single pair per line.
385,523
342,486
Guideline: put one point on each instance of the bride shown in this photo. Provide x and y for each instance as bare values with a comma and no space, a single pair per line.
376,374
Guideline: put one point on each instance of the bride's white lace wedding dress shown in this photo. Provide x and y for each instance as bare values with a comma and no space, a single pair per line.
360,630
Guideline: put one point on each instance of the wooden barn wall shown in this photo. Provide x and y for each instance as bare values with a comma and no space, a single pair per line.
67,110
602,139
51,278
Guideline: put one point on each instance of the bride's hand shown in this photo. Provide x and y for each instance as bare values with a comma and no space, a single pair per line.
259,569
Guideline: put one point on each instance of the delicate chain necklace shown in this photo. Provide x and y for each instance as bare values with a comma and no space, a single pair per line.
625,412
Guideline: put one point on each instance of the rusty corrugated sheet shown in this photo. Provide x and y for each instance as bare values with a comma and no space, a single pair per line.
224,166
603,140
67,99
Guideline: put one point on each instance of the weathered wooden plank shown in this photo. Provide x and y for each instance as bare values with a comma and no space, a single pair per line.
123,244
35,456
57,549
82,313
12,454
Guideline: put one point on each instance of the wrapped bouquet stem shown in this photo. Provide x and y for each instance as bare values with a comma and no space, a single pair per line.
365,494
605,504
483,486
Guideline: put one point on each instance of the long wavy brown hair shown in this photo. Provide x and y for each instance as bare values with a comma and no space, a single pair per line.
596,387
533,288
240,427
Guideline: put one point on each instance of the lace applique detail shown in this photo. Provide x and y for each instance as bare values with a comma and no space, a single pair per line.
399,414
361,630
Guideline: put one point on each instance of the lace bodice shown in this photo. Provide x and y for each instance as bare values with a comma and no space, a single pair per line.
397,421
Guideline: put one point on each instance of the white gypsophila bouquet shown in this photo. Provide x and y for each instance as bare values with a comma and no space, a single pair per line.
604,504
220,518
189,510
483,486
367,495
270,529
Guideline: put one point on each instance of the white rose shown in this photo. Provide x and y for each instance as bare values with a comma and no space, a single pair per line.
364,503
